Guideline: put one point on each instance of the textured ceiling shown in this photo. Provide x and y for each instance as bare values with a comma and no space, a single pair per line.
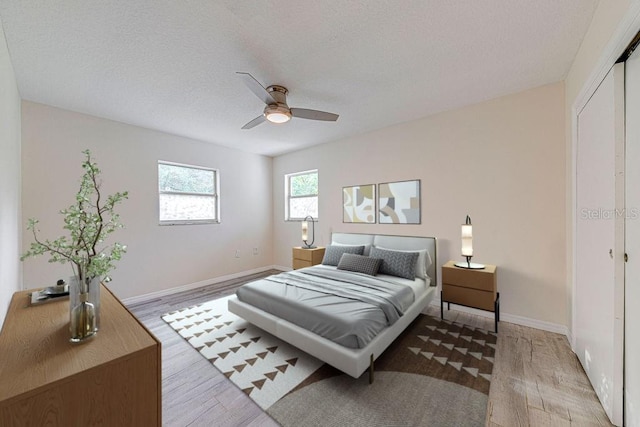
170,65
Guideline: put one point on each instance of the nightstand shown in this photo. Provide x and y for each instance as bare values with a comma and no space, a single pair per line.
307,257
471,288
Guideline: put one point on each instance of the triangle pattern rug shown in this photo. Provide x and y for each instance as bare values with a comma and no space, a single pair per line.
263,366
435,373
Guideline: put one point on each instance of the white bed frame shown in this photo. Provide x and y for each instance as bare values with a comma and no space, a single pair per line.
349,360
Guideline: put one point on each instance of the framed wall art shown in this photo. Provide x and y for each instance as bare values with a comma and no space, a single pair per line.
359,204
399,202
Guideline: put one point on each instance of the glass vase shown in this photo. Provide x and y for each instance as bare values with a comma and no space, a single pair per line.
84,308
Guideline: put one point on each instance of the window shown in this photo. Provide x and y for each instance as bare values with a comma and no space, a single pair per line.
187,194
301,191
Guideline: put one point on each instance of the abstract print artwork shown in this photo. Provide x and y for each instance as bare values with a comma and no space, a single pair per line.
399,202
359,204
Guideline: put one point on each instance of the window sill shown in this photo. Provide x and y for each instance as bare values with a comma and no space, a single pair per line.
195,222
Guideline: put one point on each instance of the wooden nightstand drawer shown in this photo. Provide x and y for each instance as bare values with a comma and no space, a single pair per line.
307,257
301,263
484,280
303,254
469,297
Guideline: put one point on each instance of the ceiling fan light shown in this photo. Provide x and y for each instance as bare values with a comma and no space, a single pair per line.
278,116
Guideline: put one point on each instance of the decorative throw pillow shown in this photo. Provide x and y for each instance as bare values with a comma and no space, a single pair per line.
395,263
367,246
359,264
423,263
332,254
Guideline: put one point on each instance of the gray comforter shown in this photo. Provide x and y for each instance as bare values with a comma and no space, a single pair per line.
347,308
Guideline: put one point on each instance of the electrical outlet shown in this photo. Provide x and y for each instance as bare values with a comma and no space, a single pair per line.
237,253
255,251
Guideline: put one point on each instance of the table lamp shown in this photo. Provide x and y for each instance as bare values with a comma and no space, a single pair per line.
305,232
467,246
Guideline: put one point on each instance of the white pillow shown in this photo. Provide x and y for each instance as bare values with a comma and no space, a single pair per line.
423,263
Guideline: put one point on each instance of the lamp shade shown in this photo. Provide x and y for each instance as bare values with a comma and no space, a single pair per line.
467,240
305,232
467,246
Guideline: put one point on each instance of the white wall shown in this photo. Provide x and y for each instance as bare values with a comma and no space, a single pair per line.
9,180
158,257
502,162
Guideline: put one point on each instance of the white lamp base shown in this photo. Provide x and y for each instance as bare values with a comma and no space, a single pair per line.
471,265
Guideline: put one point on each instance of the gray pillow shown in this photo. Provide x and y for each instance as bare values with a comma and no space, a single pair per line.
332,254
394,263
360,264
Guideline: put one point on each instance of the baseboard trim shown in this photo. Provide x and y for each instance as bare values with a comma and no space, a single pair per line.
190,286
511,318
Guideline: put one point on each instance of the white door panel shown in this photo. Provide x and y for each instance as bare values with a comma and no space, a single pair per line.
598,298
632,243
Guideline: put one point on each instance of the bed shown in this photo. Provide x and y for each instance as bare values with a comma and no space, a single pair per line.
351,355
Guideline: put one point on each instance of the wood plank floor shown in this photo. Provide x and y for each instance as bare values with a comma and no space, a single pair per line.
537,380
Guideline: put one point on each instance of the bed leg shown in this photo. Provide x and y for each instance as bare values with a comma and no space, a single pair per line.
371,370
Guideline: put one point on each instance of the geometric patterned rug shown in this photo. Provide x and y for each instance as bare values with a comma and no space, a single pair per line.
260,364
436,373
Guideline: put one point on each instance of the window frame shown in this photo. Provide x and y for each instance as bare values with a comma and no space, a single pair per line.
215,195
289,197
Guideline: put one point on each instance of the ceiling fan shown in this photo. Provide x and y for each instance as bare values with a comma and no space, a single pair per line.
277,110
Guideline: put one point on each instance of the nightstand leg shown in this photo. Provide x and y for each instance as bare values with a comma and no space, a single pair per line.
496,309
441,306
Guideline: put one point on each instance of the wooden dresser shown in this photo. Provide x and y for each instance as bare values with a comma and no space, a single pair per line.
112,379
302,257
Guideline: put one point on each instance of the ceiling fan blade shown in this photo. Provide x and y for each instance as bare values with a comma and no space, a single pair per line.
303,113
255,122
255,87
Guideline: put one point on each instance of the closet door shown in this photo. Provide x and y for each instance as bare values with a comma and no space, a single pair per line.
632,243
599,290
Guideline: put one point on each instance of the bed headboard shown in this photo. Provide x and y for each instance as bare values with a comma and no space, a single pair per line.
404,243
